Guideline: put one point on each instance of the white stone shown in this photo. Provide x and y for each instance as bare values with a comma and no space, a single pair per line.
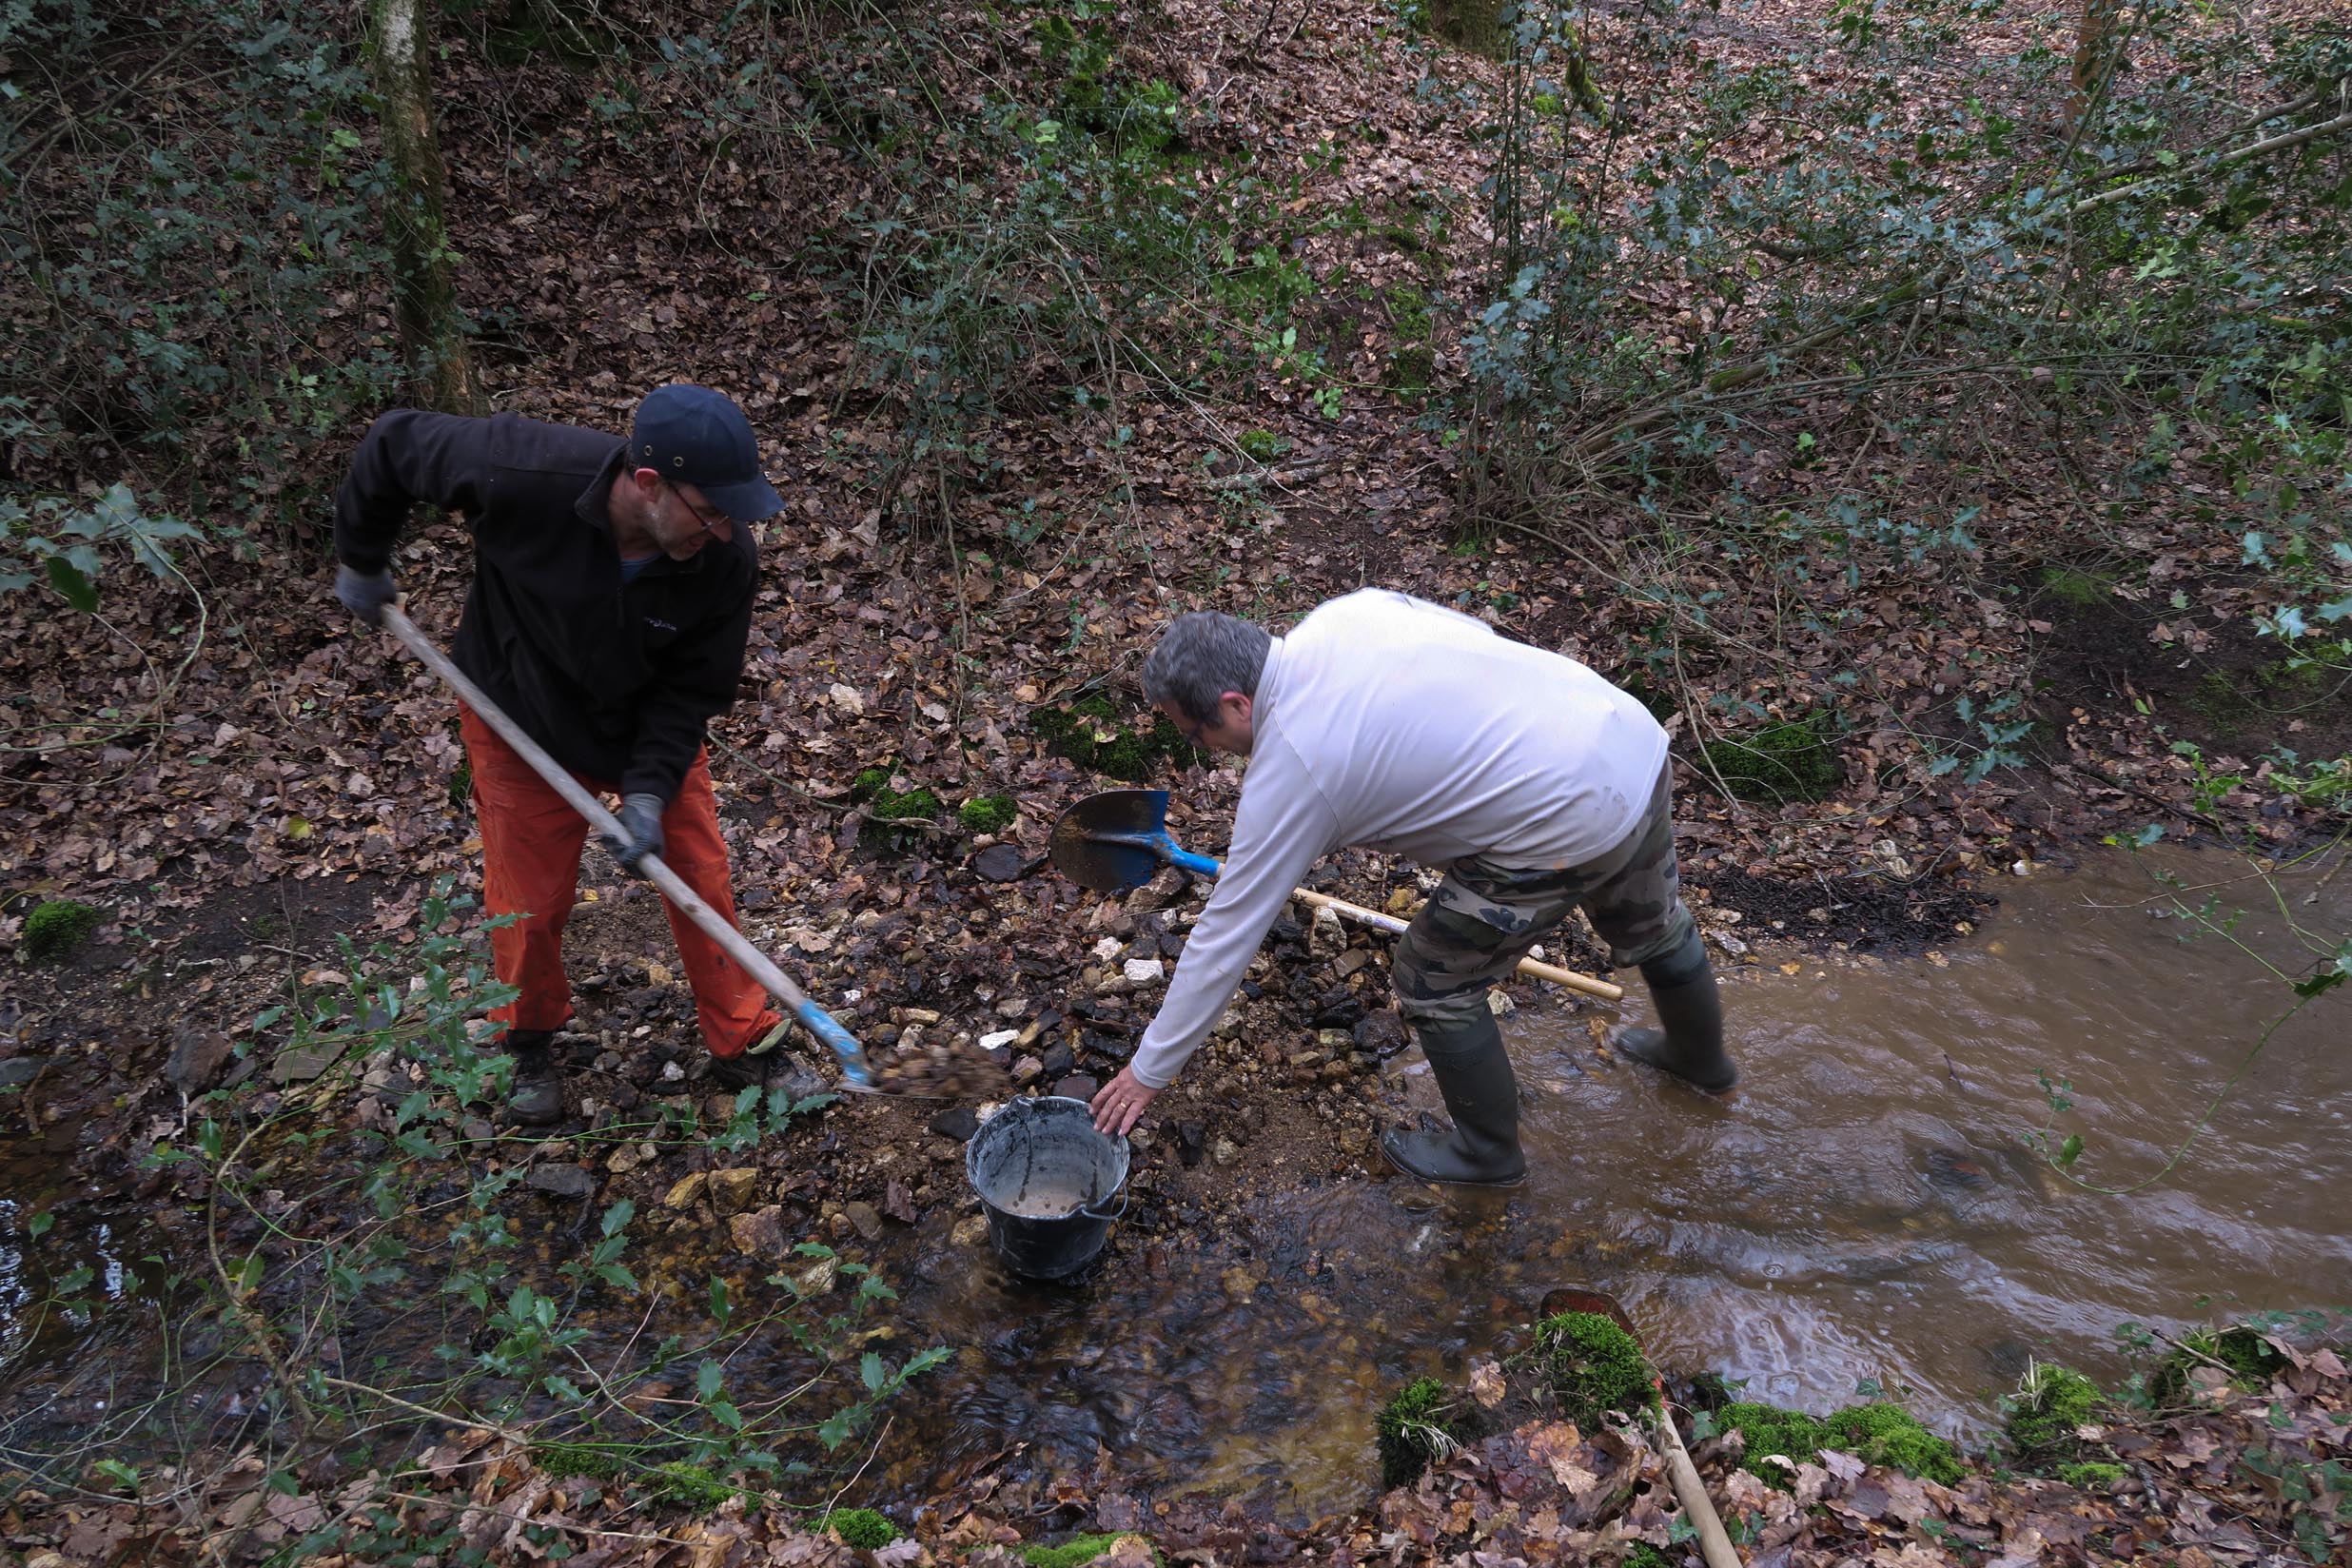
1108,948
672,1072
1144,972
998,1037
1498,1003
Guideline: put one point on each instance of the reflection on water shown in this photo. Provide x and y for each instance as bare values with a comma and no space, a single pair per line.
1866,1209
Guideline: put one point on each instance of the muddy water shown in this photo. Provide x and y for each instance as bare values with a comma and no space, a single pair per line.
1866,1210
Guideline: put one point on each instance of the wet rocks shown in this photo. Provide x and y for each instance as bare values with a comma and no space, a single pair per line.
1383,1033
760,1232
686,1190
1078,1086
973,1230
561,1180
1326,936
956,1122
732,1190
864,1218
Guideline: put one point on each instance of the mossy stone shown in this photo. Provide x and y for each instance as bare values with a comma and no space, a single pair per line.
1415,1429
1780,763
1593,1366
1262,445
58,927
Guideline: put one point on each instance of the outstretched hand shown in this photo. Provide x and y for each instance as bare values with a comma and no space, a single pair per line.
1120,1104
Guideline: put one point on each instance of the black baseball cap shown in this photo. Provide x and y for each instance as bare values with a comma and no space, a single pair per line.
690,435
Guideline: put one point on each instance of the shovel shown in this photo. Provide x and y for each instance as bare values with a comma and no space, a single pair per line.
1715,1543
1118,839
855,1072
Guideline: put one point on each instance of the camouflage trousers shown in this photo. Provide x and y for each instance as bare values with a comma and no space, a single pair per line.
1483,919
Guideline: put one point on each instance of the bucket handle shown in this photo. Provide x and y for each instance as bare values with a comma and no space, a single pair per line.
1093,1214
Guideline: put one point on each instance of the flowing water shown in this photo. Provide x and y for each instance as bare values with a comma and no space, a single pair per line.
1866,1210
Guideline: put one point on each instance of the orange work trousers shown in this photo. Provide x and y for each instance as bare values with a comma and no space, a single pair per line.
531,840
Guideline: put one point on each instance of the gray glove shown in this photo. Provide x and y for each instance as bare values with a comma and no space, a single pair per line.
640,827
364,594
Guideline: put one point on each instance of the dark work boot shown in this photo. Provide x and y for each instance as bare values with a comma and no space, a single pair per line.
1691,1044
536,1097
1474,1073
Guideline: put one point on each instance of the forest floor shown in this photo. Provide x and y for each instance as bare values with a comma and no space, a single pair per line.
282,779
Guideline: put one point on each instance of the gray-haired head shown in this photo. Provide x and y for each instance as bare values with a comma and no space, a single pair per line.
1201,657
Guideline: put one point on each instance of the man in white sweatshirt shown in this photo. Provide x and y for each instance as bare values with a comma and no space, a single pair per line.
1387,721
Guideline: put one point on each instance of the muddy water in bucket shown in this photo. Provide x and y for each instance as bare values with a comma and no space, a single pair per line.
1049,1182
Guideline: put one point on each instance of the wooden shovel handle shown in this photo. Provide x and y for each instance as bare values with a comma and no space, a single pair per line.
1383,921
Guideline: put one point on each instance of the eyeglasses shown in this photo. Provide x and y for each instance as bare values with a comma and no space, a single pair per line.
710,524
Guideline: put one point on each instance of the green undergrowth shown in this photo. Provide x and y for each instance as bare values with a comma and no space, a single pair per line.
1089,733
1415,1429
59,927
1593,1366
1876,1434
1779,764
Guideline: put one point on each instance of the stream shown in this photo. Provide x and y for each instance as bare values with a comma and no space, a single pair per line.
1866,1212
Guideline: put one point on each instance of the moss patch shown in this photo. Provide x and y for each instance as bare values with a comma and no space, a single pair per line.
1642,1555
1262,445
2043,1415
2250,1361
1890,1435
55,929
1415,1429
986,814
1088,732
860,1527
1073,1553
678,1481
2090,1475
2071,585
1593,1366
1780,763
1876,1434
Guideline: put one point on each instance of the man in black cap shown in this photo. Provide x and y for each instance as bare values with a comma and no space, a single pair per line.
611,602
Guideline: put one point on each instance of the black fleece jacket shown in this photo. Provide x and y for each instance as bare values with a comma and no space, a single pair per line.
616,679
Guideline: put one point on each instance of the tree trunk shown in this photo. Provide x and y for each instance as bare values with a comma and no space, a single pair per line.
1474,25
2097,53
424,295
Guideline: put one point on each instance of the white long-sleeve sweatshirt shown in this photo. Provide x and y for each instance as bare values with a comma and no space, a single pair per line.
1388,721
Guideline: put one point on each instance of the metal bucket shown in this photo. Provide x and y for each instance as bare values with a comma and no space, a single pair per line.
1043,1176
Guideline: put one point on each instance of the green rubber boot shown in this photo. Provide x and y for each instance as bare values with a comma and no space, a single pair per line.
1474,1073
1691,1044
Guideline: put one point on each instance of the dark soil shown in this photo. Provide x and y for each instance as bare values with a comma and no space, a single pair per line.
2208,679
1863,913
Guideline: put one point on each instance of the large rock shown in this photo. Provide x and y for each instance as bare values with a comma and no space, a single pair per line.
199,1056
956,1122
686,1190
